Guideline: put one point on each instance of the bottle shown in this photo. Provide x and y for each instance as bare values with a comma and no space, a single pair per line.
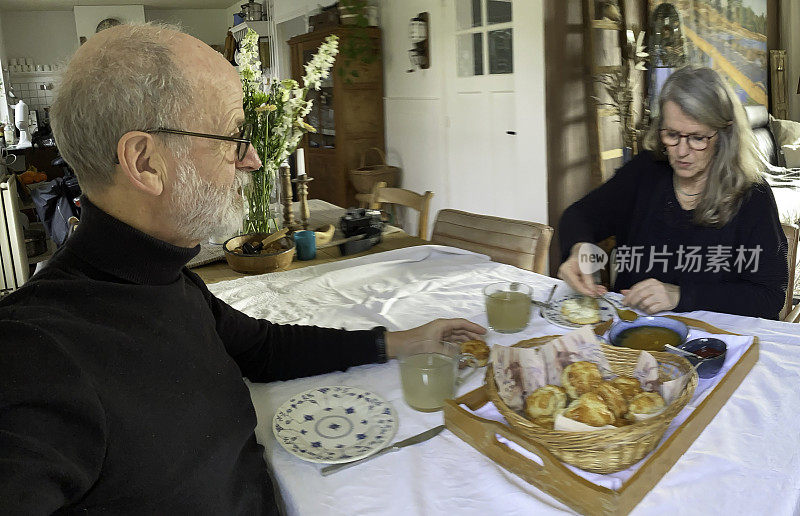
8,133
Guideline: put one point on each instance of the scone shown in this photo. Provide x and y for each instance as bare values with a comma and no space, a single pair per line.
584,310
544,422
627,385
621,421
590,410
646,403
613,399
545,401
579,378
478,349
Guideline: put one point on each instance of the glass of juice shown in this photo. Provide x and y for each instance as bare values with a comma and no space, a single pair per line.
429,373
508,306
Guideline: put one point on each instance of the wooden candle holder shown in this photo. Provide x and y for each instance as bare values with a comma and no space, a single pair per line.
286,200
302,192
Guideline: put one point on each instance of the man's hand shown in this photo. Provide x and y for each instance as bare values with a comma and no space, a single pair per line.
453,330
652,296
571,273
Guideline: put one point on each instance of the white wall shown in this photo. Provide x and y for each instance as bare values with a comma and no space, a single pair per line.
414,104
416,111
88,16
48,37
286,31
208,25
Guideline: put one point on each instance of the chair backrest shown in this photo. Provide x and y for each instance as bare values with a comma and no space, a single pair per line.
515,242
14,265
792,233
422,203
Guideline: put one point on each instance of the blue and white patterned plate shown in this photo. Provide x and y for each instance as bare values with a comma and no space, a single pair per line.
554,315
335,424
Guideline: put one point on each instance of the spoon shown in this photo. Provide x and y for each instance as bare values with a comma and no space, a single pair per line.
690,354
625,315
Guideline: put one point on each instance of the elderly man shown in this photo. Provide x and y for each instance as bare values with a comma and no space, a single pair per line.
120,374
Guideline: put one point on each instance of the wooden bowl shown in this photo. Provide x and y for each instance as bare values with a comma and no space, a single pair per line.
258,263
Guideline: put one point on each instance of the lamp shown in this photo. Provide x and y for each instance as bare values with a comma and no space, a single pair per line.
419,55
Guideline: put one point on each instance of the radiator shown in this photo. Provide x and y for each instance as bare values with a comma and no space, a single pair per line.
13,255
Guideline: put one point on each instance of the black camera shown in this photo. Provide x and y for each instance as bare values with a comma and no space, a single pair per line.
360,221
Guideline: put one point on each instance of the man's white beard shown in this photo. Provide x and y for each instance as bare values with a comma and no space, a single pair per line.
201,208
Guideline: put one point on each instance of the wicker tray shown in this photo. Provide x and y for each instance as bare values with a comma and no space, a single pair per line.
553,477
610,450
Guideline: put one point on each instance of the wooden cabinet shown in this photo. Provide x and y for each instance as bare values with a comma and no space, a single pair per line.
347,113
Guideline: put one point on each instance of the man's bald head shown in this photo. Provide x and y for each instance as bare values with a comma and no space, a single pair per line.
129,78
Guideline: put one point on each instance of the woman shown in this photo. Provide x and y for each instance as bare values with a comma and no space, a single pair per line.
696,226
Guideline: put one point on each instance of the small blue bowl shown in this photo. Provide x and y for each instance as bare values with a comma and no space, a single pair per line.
709,368
647,321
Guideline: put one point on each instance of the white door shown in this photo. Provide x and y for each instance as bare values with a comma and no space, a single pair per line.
495,108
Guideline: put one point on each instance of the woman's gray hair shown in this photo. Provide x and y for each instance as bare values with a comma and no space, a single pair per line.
735,167
133,82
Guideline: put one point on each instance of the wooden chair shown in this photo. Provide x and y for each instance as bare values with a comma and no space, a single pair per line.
515,242
421,203
788,313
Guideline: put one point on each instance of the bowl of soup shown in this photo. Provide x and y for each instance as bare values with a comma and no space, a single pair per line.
649,333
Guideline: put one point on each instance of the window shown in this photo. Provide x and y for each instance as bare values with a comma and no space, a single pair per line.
484,35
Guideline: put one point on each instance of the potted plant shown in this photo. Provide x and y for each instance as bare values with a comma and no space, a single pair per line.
277,110
620,86
358,47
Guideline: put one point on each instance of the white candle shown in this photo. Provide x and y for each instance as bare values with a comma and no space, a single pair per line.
301,162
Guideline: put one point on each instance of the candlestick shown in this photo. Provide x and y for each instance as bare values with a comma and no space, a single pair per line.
301,162
288,215
302,193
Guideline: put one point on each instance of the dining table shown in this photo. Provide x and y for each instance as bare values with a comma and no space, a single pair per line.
211,266
745,461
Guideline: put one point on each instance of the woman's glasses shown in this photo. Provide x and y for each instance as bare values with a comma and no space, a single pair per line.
696,142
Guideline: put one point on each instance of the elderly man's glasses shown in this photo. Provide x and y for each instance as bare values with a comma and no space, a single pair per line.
242,138
696,142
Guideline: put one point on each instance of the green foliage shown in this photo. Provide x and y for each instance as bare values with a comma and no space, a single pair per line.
276,110
358,47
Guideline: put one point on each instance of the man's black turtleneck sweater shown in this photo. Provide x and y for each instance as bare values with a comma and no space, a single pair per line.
121,382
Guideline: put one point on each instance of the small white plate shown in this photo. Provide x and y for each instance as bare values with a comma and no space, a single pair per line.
553,312
335,424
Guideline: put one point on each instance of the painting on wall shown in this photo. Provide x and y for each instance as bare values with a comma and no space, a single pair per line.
729,36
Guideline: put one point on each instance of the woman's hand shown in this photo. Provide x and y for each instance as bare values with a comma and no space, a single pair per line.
570,272
652,296
453,330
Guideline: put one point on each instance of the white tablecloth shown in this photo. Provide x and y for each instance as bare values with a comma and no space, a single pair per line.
747,461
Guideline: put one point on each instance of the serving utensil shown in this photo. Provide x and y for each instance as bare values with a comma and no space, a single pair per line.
700,359
623,314
416,439
255,247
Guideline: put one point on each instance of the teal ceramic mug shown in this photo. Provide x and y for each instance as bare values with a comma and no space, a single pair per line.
306,245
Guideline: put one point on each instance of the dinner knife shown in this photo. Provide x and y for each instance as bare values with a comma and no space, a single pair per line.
416,439
545,304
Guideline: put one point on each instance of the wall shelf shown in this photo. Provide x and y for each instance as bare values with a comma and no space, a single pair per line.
261,27
34,75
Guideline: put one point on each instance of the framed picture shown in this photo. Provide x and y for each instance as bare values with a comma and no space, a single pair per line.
728,36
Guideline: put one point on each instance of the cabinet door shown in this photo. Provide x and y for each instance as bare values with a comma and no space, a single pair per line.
329,180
